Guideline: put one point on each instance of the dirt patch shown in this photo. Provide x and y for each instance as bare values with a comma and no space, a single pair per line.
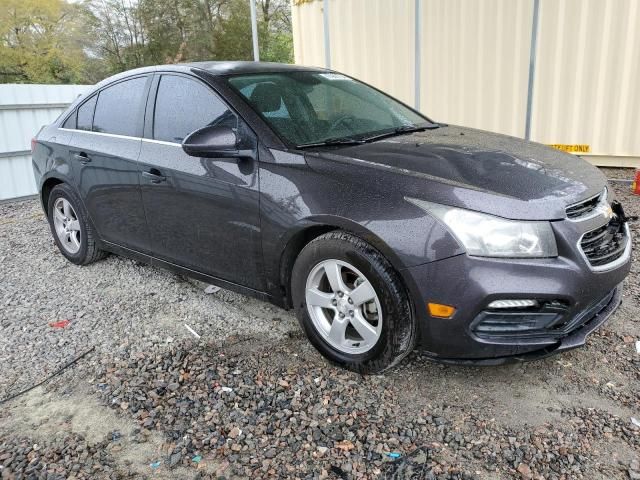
45,417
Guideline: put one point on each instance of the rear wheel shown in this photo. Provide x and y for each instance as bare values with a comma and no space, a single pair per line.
351,303
70,227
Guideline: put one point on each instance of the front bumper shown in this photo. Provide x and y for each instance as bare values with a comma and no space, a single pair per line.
471,283
574,339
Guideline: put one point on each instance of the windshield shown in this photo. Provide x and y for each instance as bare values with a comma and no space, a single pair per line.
320,107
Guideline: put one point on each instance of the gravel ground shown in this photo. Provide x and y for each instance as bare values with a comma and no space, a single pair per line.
251,398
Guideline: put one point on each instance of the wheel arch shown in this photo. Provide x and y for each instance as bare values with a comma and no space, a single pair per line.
320,226
292,249
45,191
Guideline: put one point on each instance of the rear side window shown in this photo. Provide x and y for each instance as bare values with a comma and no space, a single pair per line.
183,106
118,108
85,113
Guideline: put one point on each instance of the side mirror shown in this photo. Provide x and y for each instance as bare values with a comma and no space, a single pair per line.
212,141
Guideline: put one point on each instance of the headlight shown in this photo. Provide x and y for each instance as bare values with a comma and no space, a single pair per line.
484,235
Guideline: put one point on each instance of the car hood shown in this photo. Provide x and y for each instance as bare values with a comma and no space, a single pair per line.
484,171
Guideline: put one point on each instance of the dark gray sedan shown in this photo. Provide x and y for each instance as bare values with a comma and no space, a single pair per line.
309,189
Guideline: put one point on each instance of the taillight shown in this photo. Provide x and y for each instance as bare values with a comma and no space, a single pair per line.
33,144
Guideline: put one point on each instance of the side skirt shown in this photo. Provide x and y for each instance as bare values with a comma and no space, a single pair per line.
156,262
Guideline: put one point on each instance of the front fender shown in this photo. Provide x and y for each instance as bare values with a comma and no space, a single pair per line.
295,198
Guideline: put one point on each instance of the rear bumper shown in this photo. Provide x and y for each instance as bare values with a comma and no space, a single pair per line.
471,283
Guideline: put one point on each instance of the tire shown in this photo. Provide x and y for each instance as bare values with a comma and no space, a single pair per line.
84,249
355,258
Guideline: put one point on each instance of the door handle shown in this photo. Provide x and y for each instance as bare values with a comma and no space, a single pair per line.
82,157
154,175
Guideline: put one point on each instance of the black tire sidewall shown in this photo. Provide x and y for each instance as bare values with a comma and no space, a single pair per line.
64,191
398,327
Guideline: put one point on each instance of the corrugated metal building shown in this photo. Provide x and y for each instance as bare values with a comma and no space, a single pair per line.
563,72
23,110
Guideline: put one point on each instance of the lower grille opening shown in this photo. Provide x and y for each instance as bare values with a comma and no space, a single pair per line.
551,319
545,315
496,323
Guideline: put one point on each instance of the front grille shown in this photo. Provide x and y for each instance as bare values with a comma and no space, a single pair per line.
605,244
585,207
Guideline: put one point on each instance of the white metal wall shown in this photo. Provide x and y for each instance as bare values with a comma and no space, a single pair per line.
357,27
475,63
23,110
365,24
474,57
308,31
587,85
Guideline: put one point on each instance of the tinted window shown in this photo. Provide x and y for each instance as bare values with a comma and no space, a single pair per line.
85,113
311,107
71,121
118,109
183,106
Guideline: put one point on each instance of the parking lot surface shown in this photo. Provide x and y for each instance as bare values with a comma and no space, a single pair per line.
250,398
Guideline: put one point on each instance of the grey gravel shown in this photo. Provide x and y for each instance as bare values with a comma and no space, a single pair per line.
112,304
252,399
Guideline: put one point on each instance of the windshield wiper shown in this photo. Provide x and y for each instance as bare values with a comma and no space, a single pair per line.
357,141
332,141
400,130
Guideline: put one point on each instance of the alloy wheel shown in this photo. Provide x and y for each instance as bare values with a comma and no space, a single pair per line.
343,306
67,225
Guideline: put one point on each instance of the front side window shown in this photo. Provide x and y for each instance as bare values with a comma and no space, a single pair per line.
184,106
311,107
85,114
118,108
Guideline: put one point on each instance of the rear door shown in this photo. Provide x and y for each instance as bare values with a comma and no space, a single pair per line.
203,213
104,151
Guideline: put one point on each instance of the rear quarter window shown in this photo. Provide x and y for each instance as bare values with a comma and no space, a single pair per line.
85,114
70,122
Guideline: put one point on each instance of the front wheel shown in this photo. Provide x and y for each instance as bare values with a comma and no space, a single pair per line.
352,304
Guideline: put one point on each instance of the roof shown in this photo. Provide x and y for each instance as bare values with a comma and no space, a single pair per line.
239,67
214,68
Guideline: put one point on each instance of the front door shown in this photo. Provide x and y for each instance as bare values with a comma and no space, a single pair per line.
104,151
203,213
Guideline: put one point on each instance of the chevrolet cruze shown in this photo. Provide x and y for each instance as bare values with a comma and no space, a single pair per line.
383,230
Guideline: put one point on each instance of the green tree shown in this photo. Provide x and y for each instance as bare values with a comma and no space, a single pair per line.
120,39
54,41
232,41
41,41
275,31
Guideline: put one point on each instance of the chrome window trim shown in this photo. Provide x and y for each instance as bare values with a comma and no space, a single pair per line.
126,137
161,142
85,97
112,135
624,258
597,209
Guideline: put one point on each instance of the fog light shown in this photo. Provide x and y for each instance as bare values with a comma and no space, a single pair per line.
441,311
513,304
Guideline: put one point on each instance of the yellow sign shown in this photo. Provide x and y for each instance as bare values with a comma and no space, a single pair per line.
572,148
